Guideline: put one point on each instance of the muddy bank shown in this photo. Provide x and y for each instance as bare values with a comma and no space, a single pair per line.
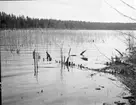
127,75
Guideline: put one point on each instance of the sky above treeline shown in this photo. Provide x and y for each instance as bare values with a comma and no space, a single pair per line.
83,10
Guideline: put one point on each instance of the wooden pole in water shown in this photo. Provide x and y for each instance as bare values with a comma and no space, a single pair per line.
36,60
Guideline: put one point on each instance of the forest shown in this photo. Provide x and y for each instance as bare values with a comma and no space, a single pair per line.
11,21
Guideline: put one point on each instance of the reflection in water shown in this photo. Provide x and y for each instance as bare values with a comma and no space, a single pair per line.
64,67
61,72
67,68
36,58
36,75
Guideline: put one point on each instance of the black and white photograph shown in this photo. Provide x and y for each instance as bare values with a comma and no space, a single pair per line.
68,52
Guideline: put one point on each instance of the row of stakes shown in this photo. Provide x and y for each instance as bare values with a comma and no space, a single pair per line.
80,66
72,64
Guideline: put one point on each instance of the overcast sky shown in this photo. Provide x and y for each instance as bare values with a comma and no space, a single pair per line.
85,10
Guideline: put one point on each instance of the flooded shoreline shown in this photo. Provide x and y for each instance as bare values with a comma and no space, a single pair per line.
54,84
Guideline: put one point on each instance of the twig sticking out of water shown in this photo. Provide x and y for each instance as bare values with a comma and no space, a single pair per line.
119,52
67,62
73,55
48,56
69,52
82,52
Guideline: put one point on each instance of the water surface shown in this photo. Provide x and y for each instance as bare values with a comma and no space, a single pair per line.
54,84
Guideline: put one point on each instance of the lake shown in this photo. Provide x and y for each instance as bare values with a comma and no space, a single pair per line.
55,84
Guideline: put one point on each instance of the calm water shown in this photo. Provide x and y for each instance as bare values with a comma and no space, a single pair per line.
60,85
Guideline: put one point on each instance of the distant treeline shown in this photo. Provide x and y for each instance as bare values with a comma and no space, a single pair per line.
10,21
